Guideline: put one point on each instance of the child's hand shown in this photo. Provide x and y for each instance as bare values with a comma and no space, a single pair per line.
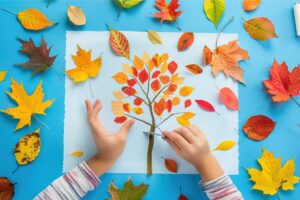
110,146
191,144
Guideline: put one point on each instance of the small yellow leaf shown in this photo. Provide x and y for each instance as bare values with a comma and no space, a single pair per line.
119,95
138,110
175,101
76,16
117,108
146,57
289,180
225,145
186,91
127,69
77,154
164,68
3,75
138,63
176,79
183,121
154,37
120,77
188,115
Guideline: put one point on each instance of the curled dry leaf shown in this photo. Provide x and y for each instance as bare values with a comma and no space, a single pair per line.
154,37
193,68
171,165
168,11
119,43
225,145
76,16
77,154
259,127
260,28
185,41
214,10
7,189
3,75
228,98
250,5
205,105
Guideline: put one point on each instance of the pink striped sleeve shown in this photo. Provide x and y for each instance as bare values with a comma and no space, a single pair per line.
73,185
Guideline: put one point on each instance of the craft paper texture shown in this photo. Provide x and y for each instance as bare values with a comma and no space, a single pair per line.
77,136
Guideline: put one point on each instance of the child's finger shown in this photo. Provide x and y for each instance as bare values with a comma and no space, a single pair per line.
173,145
88,105
124,130
177,139
97,106
185,133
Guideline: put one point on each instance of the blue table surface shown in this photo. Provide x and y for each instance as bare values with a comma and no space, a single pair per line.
31,179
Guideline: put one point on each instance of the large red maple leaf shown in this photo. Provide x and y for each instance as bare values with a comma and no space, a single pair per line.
167,10
283,84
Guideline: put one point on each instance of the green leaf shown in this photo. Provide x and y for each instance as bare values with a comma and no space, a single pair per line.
129,3
214,10
129,191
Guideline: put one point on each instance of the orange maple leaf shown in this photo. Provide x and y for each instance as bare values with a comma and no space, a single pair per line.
283,84
226,57
167,10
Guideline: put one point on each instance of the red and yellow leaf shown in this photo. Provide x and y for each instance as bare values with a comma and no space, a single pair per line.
126,107
168,11
119,43
185,41
207,56
260,28
6,189
138,110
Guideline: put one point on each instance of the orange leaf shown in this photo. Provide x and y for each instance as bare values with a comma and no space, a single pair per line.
193,68
143,76
167,10
117,108
129,91
283,84
138,63
120,120
164,79
155,85
207,56
126,107
251,4
229,99
119,43
171,165
259,127
138,110
158,108
172,67
6,189
186,91
185,41
156,59
171,89
260,28
119,95
120,77
175,101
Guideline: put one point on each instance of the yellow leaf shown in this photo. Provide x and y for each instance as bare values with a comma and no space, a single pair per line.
127,69
2,75
138,63
33,19
117,108
145,57
164,57
186,91
28,148
77,154
176,79
120,78
289,180
164,68
85,67
119,95
225,145
154,37
214,10
76,16
188,115
175,101
27,105
183,121
138,110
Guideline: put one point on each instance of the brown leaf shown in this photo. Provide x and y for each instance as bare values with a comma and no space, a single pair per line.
185,41
260,28
6,189
193,68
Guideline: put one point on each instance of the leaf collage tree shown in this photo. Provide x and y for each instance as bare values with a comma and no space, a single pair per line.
152,84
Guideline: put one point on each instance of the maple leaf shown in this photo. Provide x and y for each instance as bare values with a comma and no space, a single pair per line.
85,67
167,10
272,176
39,57
27,105
283,84
226,58
129,191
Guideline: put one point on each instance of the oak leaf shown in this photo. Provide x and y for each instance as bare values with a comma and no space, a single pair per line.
168,11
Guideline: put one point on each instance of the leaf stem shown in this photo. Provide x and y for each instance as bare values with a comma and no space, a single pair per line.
232,18
138,119
177,26
91,89
15,169
171,115
296,102
49,1
8,11
40,121
119,12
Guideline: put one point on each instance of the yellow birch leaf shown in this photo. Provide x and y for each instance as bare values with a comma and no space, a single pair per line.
138,110
138,63
120,78
77,154
127,69
76,16
117,108
119,95
28,148
154,37
225,145
3,75
33,19
186,91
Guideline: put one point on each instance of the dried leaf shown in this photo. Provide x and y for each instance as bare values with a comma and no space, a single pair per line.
283,84
28,148
154,37
39,57
27,105
207,56
85,67
137,101
260,28
172,67
120,77
228,98
117,108
6,189
193,68
143,76
158,108
77,154
168,11
259,127
128,3
76,16
185,41
184,118
214,10
138,110
187,103
186,91
120,120
3,75
250,5
129,91
171,165
33,19
155,85
205,105
225,145
119,43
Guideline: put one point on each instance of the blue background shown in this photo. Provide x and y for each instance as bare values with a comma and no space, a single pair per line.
33,178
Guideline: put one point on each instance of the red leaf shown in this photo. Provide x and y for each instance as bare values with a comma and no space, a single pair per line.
182,197
169,105
171,165
131,82
143,76
172,67
137,101
129,91
126,107
229,99
172,87
187,103
6,189
164,79
207,56
155,85
259,127
120,120
135,71
167,10
185,41
158,108
205,105
155,74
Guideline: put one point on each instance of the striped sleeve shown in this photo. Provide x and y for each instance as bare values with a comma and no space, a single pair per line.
221,189
73,185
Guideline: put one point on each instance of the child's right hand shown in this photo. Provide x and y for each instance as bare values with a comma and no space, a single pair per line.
191,144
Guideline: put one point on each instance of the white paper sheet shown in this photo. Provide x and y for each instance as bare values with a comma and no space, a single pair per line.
77,136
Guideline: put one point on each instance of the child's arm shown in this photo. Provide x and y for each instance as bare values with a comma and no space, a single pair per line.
190,143
84,177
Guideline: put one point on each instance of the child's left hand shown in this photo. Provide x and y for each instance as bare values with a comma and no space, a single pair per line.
110,146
